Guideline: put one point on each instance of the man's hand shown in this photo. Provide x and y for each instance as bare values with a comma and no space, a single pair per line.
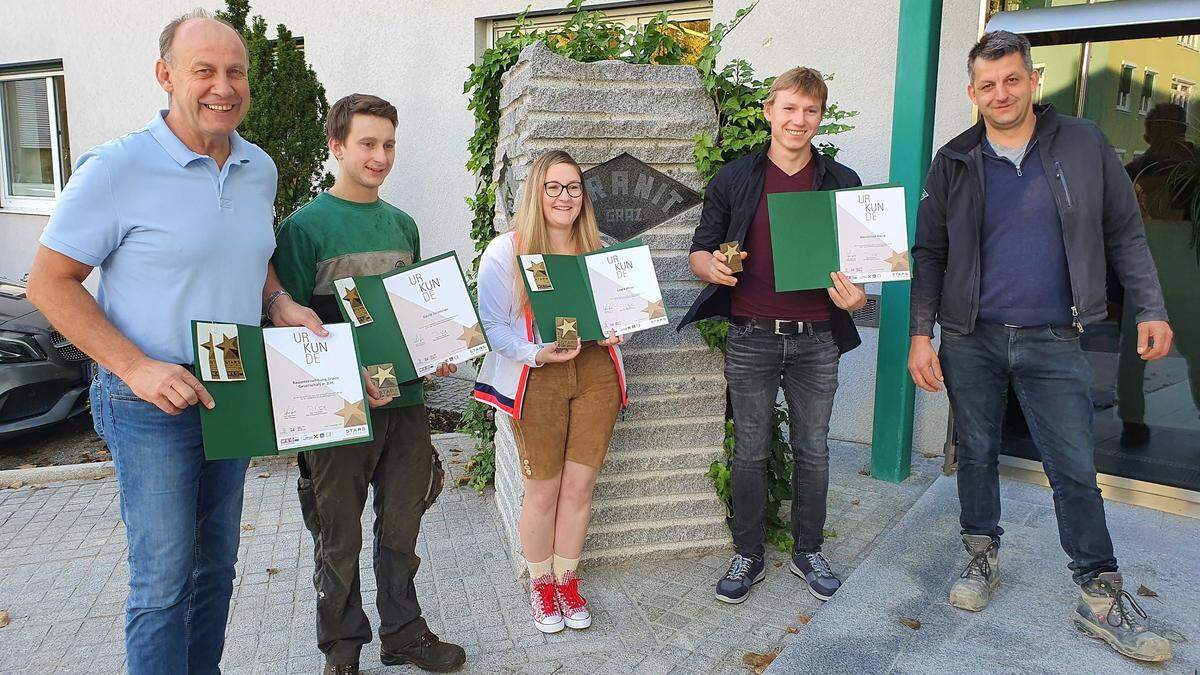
443,370
170,387
612,340
374,399
1154,339
288,312
923,363
552,354
711,267
846,295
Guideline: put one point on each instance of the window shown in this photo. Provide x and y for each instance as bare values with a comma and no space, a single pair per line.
1147,91
1125,86
1190,41
1181,91
1040,69
692,16
34,152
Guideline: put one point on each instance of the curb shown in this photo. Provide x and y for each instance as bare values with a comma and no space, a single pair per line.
96,470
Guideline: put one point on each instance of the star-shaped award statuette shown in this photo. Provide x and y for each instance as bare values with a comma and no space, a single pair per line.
732,250
233,357
352,298
898,261
384,376
655,310
566,332
472,336
214,373
352,414
541,278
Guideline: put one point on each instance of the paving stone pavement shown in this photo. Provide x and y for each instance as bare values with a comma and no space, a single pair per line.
63,579
450,393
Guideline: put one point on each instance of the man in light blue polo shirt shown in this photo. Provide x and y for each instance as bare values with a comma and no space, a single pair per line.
178,217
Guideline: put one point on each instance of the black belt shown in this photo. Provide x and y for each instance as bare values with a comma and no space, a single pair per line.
783,326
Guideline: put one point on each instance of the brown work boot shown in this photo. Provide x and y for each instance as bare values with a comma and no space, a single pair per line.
1102,613
974,587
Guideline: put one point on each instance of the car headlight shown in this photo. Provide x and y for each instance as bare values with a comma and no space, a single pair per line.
19,348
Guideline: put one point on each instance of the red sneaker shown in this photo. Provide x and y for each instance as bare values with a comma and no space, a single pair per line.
547,616
574,608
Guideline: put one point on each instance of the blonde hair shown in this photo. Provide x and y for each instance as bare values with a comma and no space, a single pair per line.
807,81
530,230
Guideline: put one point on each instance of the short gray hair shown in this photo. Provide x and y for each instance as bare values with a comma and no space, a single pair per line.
167,37
996,45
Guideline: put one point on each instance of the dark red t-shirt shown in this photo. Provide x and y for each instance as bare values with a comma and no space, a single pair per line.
755,296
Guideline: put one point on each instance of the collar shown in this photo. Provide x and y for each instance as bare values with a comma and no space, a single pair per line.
969,140
182,154
818,162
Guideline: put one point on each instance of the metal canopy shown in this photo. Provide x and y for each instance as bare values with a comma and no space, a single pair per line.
1102,21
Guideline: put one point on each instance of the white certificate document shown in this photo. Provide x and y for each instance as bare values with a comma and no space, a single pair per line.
316,387
873,234
435,314
626,290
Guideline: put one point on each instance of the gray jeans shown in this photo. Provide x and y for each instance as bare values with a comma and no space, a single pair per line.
756,361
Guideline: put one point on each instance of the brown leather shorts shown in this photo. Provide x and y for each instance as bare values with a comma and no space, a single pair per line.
568,413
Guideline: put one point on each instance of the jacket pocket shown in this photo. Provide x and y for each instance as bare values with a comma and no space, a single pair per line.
1062,179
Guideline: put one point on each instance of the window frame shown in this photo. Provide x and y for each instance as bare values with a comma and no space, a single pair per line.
1040,69
1146,101
20,203
1125,99
1191,90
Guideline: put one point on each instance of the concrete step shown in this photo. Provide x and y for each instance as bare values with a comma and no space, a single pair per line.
642,387
611,535
672,266
662,406
659,459
656,508
681,432
641,360
663,550
663,482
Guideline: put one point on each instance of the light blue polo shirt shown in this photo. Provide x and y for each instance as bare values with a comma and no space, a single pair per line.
175,237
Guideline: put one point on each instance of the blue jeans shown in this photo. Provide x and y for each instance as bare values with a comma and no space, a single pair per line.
755,363
181,515
1052,380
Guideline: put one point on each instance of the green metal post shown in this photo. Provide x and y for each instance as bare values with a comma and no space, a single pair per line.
918,39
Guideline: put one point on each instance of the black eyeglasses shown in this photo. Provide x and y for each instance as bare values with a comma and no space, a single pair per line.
554,189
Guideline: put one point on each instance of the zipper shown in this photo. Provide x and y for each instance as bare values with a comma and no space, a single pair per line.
1062,179
1075,319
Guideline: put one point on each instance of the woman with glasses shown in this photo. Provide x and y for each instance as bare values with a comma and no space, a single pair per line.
561,404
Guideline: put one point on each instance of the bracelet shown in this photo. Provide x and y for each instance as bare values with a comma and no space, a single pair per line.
272,298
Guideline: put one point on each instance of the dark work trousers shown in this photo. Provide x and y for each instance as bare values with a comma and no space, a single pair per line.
397,464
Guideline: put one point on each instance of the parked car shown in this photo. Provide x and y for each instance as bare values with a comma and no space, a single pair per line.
43,377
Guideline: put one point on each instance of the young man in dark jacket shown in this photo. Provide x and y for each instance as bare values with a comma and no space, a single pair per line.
797,336
1018,217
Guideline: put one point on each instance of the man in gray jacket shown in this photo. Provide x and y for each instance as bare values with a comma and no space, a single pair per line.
1018,217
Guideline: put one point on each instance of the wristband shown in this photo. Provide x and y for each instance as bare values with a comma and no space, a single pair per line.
272,298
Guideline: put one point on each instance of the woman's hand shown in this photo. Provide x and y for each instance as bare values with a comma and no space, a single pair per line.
612,340
552,354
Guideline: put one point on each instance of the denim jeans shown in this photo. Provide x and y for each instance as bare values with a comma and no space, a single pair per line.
1047,370
755,363
181,515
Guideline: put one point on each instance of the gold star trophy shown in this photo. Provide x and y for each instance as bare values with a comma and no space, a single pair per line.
541,279
353,299
233,358
214,373
384,376
566,332
733,255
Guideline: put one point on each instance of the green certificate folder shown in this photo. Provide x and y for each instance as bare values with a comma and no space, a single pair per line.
807,228
382,340
242,423
572,294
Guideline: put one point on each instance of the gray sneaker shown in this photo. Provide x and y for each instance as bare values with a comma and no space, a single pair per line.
974,587
1102,613
814,569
